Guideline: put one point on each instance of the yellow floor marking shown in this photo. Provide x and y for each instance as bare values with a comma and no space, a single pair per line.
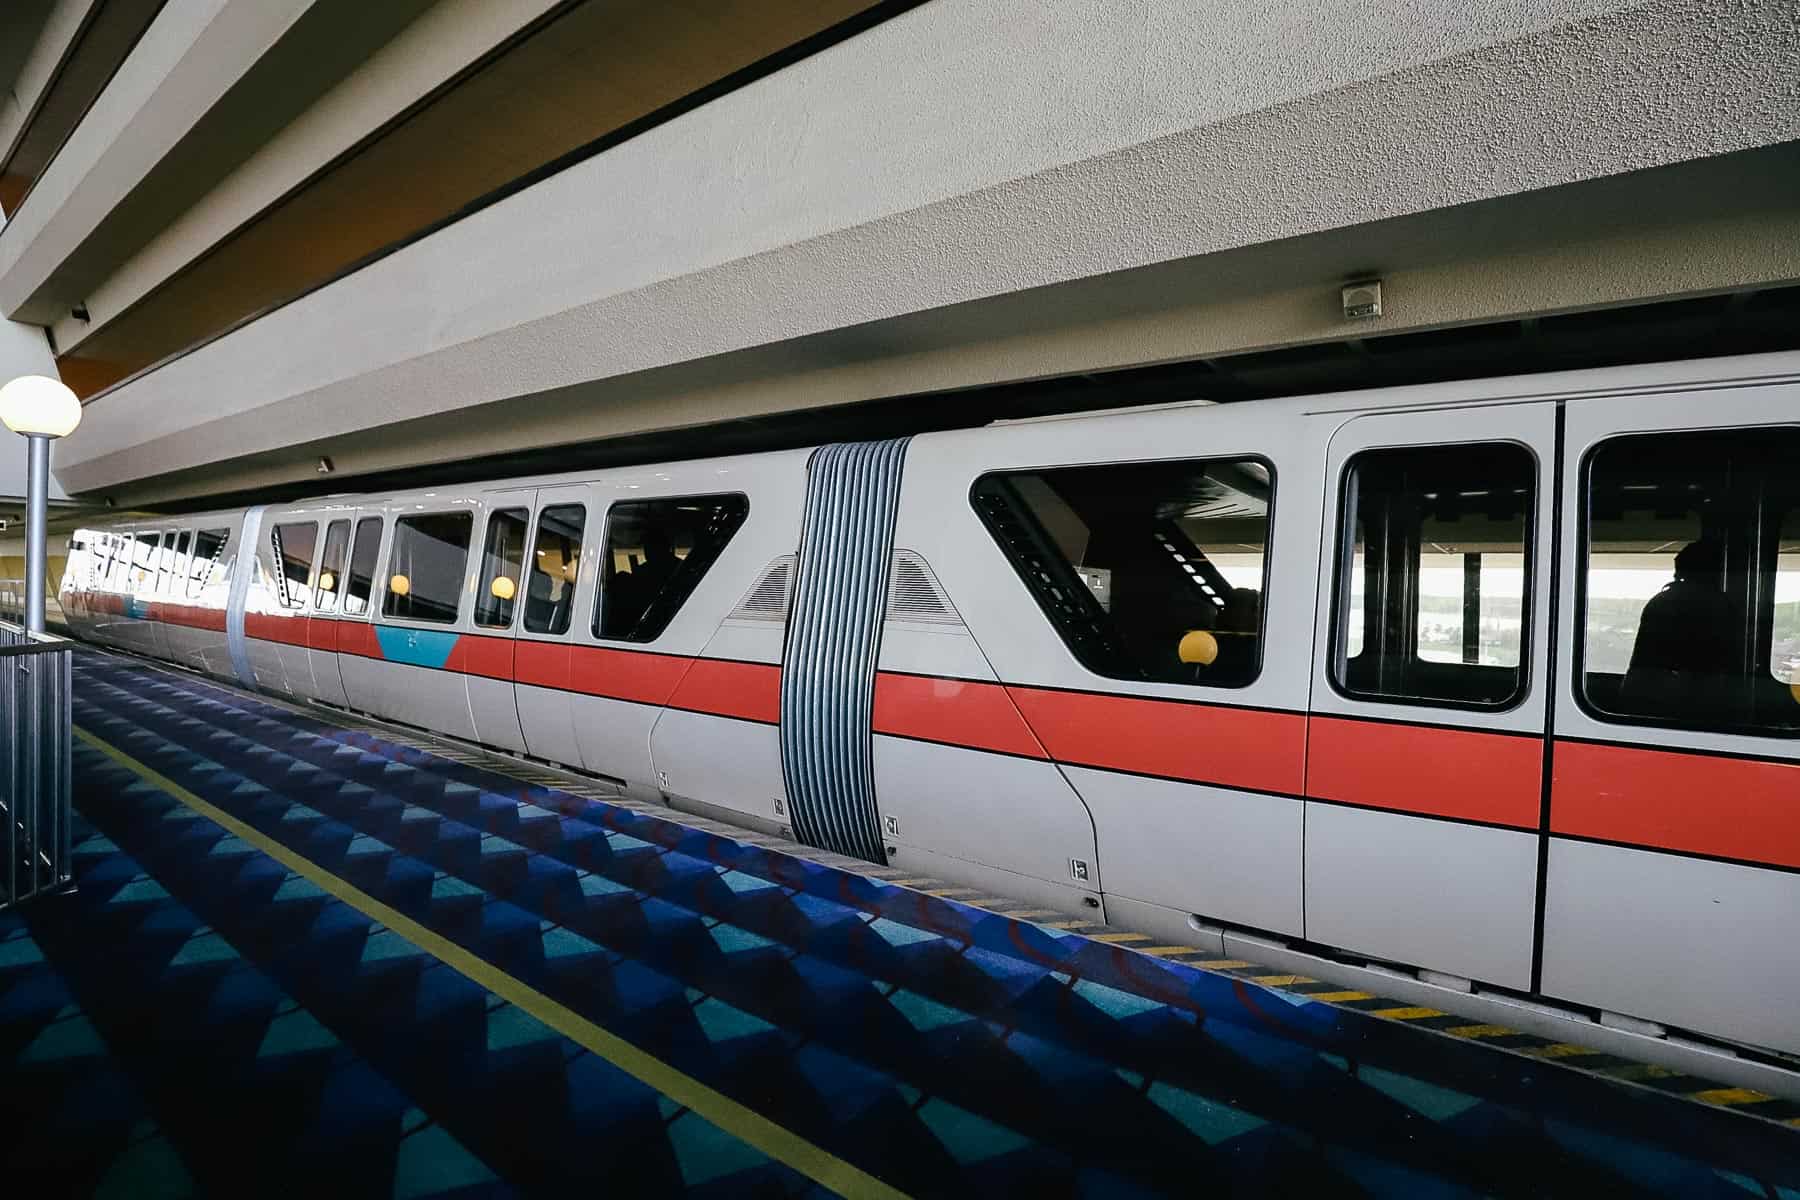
1120,937
1641,1071
1220,964
1729,1096
908,882
1480,1031
952,892
1338,997
1027,914
774,1140
1406,1014
1561,1050
1068,924
1281,980
1163,950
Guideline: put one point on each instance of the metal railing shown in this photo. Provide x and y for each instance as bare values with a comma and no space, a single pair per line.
36,730
12,601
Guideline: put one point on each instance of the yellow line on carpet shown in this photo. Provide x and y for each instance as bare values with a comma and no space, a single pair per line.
776,1141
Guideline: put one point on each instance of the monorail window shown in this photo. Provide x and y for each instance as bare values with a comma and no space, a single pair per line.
165,562
331,566
361,584
143,560
502,566
209,544
294,545
656,553
1433,574
1691,597
555,560
426,566
1152,571
179,572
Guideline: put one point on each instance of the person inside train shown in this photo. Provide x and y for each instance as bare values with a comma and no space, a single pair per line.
630,593
551,596
1686,652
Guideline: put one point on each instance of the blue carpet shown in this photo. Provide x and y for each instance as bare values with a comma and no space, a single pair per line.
246,1027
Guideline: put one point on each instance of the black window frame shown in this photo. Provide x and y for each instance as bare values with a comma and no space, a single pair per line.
1583,544
483,592
366,601
535,533
323,566
284,585
605,572
387,592
1344,538
1091,604
197,582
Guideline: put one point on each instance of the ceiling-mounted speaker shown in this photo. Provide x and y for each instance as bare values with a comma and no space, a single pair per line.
1362,300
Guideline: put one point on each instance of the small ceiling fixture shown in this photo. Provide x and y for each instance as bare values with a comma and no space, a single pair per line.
1362,299
325,467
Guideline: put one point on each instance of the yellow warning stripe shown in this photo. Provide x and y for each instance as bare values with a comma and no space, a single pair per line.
1221,964
1026,914
1338,997
1560,1050
1163,951
1406,1014
776,1141
1479,1031
1119,937
1729,1096
1281,980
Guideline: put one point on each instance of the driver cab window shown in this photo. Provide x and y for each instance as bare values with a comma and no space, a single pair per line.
1151,571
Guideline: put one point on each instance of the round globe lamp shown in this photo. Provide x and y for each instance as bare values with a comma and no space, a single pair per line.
40,409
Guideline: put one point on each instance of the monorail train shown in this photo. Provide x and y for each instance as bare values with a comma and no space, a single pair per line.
1498,681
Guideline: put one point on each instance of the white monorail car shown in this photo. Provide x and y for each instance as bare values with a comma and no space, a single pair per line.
1496,679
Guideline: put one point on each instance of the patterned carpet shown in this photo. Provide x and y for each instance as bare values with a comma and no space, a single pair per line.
409,977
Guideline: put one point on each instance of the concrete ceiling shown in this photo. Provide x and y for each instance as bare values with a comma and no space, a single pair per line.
106,34
594,71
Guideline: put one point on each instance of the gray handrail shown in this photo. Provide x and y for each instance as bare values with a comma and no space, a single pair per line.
36,736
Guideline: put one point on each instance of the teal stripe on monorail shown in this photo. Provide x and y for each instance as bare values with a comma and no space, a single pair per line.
415,647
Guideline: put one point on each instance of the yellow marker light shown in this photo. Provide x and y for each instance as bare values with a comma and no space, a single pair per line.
399,585
1198,646
503,588
327,581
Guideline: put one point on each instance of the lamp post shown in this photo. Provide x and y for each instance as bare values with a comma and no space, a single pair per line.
39,408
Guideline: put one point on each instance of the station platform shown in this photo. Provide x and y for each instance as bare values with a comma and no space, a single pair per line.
305,956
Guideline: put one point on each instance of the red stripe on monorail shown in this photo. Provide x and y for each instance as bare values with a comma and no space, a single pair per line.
1229,747
1462,774
1746,809
749,691
488,657
960,712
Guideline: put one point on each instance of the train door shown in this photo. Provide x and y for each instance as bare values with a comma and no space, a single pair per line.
278,630
322,631
499,587
359,651
1425,745
425,616
1673,880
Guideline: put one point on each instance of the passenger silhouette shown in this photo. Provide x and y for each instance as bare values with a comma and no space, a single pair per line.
1682,660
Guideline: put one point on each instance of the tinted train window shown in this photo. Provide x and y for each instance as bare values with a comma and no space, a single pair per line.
656,552
361,583
1152,571
165,563
209,544
1691,596
1433,572
294,545
143,560
502,564
426,566
331,566
179,573
555,560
